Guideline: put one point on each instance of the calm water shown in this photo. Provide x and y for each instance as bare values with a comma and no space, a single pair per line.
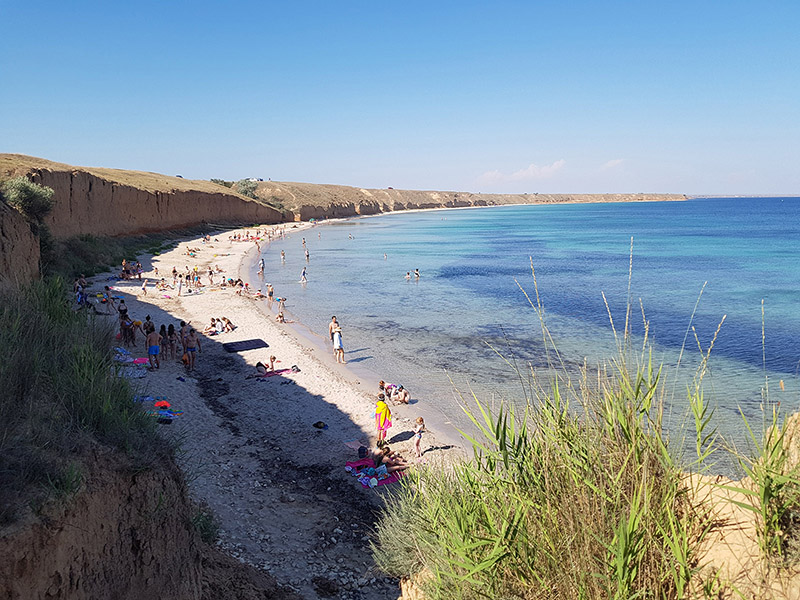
425,332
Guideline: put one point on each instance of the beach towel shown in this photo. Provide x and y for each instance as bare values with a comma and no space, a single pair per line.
245,345
384,415
294,369
359,469
140,361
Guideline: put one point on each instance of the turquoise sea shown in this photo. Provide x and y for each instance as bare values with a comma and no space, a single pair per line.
447,329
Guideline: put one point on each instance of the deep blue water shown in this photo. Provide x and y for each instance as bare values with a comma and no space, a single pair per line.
425,332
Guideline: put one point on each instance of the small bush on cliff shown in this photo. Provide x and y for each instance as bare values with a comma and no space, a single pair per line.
31,199
246,188
222,182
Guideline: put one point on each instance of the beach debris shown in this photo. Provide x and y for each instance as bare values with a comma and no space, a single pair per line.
320,425
180,379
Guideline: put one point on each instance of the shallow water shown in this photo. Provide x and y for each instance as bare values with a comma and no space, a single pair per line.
467,307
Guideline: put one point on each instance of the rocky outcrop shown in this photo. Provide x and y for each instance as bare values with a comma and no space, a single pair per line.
19,247
111,202
126,535
318,201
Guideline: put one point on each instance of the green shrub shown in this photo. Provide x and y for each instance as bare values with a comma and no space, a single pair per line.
247,188
31,199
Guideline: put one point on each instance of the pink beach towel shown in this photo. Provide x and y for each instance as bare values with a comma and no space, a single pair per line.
356,466
140,361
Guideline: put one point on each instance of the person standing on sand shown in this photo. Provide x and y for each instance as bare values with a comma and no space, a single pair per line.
144,288
383,419
180,283
338,346
419,429
192,347
172,337
184,332
153,343
333,324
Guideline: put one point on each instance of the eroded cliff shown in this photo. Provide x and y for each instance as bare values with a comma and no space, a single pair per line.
319,201
19,247
110,202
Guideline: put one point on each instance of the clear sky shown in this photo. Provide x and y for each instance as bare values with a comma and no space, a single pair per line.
696,97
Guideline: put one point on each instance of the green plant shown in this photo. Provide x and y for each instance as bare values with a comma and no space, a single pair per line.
245,187
206,525
66,483
222,182
33,200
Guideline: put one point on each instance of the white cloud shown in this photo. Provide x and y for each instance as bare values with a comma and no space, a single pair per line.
531,173
612,164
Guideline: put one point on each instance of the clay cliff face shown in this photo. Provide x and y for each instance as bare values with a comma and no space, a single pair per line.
19,248
125,536
110,202
318,201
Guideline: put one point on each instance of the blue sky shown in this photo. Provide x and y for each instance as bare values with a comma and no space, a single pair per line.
697,97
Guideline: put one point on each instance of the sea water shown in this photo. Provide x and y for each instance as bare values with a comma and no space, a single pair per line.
465,325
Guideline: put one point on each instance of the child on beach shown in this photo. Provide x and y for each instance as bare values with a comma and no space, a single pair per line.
419,429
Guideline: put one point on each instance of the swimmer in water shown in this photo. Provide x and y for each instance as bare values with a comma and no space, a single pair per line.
303,278
408,275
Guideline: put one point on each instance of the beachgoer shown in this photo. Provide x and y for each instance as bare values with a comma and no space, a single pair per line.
228,325
383,418
408,274
283,256
172,337
184,332
212,328
164,341
153,343
338,346
303,278
419,429
281,304
416,273
270,294
220,327
401,395
279,318
192,347
331,325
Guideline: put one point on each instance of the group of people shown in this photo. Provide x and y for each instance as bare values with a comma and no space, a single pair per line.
131,270
218,326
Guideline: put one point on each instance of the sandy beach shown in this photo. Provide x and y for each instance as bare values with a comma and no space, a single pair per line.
249,448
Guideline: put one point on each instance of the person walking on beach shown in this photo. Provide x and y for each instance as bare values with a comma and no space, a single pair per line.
383,419
144,288
153,343
303,278
419,429
192,347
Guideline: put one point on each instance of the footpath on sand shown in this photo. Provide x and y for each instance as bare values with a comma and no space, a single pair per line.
249,448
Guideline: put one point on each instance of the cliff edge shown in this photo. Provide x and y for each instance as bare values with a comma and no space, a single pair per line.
110,202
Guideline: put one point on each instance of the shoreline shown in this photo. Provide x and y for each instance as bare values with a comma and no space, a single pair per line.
248,448
365,378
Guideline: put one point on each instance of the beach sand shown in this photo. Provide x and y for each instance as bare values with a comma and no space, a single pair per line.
276,484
